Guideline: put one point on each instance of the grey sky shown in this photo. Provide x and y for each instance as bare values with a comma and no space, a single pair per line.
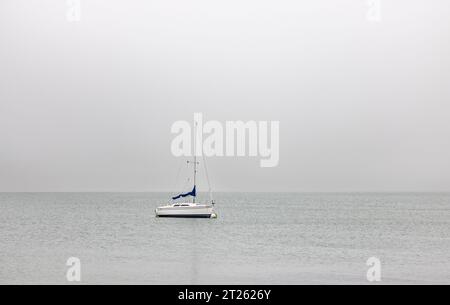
87,106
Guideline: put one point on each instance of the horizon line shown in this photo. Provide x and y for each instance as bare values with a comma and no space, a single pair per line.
251,191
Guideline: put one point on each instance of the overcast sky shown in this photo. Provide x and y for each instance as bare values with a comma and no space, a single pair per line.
88,105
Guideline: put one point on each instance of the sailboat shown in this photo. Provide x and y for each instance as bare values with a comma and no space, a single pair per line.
191,209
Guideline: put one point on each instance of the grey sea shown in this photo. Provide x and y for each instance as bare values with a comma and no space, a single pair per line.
258,238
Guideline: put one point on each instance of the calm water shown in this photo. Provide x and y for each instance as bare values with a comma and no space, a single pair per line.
258,238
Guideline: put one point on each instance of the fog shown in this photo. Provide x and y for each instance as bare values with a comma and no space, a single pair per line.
88,105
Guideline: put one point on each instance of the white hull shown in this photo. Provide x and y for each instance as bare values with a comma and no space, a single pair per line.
186,210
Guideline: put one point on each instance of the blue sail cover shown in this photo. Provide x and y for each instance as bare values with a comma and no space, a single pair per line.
191,193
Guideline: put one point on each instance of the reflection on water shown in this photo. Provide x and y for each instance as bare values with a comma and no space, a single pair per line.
258,238
194,252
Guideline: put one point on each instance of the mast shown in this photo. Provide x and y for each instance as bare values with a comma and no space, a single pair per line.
195,174
207,179
195,159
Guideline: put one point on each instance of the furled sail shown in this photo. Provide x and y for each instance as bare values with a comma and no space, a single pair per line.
191,193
